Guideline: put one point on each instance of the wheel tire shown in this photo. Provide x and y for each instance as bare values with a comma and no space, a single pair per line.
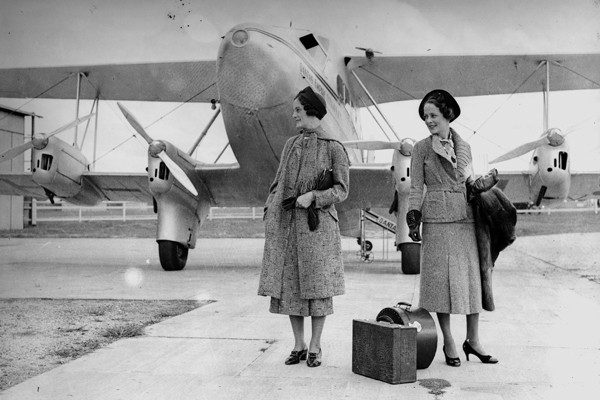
411,258
173,255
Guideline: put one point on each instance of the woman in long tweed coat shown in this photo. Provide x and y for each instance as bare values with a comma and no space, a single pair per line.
450,276
302,261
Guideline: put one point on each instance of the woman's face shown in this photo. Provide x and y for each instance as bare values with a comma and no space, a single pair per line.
303,121
435,121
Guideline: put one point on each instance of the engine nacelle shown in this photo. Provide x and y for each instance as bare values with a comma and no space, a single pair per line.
59,167
552,166
160,179
401,172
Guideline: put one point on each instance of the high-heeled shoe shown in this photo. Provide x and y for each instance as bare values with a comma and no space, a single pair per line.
314,359
468,349
296,356
453,362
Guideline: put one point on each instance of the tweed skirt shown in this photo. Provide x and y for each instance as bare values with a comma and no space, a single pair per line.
450,275
290,302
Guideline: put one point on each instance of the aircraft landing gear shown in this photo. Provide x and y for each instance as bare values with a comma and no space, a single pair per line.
411,258
173,255
365,253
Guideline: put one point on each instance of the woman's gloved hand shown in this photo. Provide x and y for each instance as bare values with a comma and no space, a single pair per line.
413,220
305,200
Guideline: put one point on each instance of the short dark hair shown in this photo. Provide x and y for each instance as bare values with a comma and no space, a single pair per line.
439,100
313,103
442,100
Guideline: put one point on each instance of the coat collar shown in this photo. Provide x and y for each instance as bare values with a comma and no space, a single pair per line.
461,150
439,149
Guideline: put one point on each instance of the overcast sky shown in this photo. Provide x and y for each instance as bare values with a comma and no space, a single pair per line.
82,32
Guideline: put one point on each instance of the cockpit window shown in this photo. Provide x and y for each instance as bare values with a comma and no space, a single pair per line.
313,47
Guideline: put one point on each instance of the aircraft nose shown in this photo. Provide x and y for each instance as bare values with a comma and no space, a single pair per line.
253,69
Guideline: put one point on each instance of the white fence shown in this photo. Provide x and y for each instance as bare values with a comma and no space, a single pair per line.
131,211
587,206
119,211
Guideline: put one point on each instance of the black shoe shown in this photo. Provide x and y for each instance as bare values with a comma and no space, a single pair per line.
484,359
453,362
296,356
314,359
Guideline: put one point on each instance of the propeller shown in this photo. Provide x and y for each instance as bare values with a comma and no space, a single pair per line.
405,146
552,137
157,148
369,53
39,141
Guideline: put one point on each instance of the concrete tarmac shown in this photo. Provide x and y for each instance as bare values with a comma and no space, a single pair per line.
544,331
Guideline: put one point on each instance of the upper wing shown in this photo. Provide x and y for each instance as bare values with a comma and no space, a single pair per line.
584,184
406,78
174,81
371,186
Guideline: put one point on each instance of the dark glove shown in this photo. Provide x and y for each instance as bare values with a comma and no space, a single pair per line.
413,220
313,217
481,184
289,203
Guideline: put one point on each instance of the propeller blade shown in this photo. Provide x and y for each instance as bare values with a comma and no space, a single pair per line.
70,125
372,145
15,151
134,123
523,149
178,173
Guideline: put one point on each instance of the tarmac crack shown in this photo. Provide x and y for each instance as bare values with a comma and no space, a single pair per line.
563,269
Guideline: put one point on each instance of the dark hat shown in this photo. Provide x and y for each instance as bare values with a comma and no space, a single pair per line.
312,102
443,97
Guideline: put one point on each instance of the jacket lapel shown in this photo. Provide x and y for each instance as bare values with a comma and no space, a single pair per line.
438,147
463,157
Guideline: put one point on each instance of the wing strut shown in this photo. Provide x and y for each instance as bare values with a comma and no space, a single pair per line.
204,132
375,104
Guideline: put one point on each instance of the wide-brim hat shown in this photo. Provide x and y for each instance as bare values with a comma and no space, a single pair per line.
448,99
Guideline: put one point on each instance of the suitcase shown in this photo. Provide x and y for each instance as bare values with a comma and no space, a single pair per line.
384,351
420,318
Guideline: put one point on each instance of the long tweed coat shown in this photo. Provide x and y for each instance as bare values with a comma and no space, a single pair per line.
320,264
450,276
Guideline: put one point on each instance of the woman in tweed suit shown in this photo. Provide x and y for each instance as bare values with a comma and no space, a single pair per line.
302,261
450,277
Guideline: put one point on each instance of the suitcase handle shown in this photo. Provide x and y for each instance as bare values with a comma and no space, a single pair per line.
407,307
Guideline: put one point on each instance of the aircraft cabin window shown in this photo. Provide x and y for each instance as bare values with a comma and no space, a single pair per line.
46,162
313,47
340,88
163,172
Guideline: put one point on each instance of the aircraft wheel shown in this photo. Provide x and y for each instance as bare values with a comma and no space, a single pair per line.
411,258
173,255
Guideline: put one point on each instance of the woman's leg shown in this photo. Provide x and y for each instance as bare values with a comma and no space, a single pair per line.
317,329
473,333
298,329
444,321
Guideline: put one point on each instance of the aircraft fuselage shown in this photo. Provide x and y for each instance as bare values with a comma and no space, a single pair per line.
259,71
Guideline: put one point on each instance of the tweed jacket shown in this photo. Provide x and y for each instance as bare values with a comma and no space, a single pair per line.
320,265
437,189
